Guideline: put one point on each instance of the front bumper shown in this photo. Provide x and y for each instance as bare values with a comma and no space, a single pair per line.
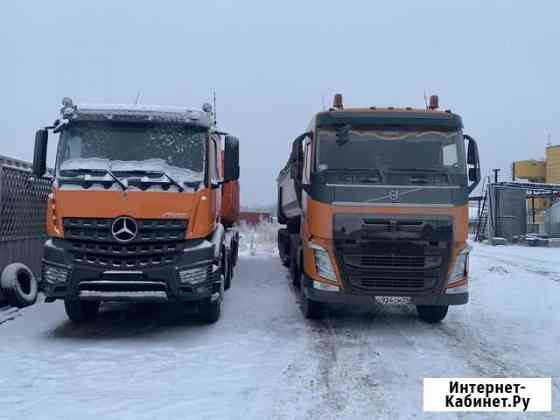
150,284
344,297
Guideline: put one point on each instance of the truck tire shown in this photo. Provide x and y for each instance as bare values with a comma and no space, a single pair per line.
432,314
18,285
209,312
279,213
284,246
228,270
235,250
80,311
295,272
311,309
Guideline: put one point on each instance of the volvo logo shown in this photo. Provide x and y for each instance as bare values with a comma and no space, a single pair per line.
394,195
124,229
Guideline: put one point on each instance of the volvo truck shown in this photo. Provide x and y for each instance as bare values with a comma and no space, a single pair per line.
141,208
375,203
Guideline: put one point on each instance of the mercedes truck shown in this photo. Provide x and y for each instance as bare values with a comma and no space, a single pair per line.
141,208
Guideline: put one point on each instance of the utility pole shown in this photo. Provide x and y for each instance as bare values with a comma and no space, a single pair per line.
214,103
496,171
496,204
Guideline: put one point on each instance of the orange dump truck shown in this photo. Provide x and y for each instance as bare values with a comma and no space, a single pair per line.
142,206
375,202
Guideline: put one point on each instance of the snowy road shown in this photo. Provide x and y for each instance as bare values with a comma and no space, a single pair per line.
263,360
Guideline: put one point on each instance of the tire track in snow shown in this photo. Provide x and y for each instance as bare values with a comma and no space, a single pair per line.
341,368
552,275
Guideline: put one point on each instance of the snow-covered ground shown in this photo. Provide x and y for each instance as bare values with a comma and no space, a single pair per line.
263,360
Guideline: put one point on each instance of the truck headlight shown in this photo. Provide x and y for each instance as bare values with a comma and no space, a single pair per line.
193,275
460,267
323,264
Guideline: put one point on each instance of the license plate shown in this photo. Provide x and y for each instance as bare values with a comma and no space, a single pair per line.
393,300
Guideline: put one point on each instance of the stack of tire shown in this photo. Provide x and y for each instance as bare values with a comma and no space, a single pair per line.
18,285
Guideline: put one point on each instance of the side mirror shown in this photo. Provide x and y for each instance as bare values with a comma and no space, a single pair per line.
40,153
473,161
231,159
296,158
474,175
472,151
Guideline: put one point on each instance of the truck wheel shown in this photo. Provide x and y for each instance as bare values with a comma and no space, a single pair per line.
80,311
228,271
295,272
432,314
18,285
235,250
284,246
285,258
311,309
209,312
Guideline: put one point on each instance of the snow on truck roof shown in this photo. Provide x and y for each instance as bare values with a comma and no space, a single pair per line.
136,113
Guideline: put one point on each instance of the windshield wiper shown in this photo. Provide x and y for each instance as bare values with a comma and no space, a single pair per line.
354,169
416,180
117,180
173,181
420,172
430,170
90,170
160,173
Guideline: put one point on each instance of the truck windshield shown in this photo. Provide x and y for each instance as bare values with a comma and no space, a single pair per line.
398,155
176,150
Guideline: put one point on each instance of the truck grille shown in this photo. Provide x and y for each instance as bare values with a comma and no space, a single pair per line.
374,267
157,242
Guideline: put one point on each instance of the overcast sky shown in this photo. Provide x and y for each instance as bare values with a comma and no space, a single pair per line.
272,63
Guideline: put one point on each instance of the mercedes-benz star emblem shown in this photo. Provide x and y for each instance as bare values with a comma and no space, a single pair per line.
124,229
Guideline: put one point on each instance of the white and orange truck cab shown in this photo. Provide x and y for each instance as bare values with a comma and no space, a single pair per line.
375,202
142,206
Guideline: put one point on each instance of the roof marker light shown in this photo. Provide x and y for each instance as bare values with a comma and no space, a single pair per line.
67,102
337,101
68,107
434,102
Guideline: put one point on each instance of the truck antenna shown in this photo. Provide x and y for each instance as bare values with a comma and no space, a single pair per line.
548,138
323,102
426,99
137,98
214,105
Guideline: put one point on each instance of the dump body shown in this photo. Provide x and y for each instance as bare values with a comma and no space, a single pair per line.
376,204
136,208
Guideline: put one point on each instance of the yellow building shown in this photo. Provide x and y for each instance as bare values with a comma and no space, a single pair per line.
531,170
553,164
538,171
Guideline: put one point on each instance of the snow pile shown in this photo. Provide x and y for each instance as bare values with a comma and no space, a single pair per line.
258,239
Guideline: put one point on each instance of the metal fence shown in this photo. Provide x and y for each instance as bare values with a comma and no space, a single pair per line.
508,211
23,205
